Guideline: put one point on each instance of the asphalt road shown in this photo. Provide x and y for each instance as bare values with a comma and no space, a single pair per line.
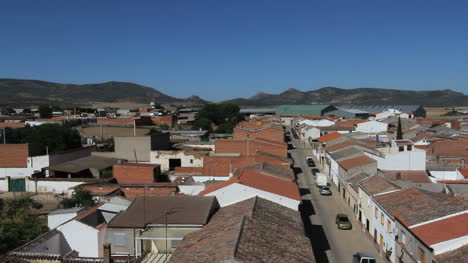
318,213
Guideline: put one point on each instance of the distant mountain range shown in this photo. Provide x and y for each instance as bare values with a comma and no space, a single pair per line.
34,92
360,96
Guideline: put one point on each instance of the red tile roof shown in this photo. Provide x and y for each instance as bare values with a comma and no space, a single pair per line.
408,175
355,162
464,172
442,230
132,192
14,155
100,190
259,181
12,124
329,137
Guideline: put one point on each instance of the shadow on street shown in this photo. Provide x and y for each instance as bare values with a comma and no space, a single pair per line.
304,191
315,233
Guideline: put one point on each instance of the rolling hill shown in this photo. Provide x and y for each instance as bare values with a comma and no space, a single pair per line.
361,96
34,92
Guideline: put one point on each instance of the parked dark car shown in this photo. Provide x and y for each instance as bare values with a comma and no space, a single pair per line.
343,222
310,161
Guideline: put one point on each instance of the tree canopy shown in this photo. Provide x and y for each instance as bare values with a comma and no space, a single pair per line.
18,223
53,136
45,111
80,198
224,115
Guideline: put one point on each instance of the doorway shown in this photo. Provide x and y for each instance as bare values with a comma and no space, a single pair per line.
173,163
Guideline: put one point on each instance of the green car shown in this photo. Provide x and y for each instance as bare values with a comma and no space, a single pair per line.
343,222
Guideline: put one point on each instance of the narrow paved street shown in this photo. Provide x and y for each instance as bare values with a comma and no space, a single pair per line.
329,243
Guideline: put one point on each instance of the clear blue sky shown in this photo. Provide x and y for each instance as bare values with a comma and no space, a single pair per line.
222,49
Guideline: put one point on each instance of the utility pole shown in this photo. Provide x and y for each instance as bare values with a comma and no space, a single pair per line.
4,136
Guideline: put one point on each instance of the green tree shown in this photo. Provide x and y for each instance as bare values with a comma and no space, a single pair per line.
163,126
224,115
201,123
80,198
19,223
154,131
399,130
45,111
55,137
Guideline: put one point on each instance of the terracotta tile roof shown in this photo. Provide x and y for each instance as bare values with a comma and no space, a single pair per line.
453,256
271,170
453,182
418,176
188,170
259,181
182,209
355,162
376,185
132,192
414,206
100,190
455,148
14,155
329,137
254,230
464,172
12,124
443,230
340,146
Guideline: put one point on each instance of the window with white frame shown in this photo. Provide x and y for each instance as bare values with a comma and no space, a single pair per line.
120,239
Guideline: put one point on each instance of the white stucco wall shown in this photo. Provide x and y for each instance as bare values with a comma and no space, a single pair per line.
57,219
371,127
81,238
209,178
237,192
388,237
401,161
191,189
334,170
57,187
34,164
3,185
162,158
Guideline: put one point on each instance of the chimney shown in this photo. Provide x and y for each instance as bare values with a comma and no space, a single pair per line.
107,253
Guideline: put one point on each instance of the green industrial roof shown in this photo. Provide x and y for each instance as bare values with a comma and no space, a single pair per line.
301,109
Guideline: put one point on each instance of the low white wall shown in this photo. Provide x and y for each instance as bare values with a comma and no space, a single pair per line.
401,161
191,189
47,186
3,185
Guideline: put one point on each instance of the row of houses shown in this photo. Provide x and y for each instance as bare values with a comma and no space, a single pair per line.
236,202
395,194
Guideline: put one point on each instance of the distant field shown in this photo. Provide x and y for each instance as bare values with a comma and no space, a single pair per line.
114,131
436,113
